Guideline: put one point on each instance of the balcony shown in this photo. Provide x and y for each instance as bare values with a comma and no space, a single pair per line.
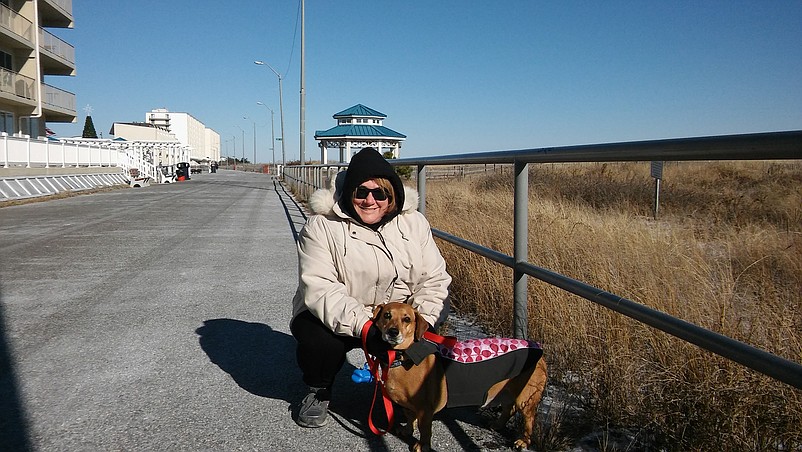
58,57
56,13
15,27
17,88
58,105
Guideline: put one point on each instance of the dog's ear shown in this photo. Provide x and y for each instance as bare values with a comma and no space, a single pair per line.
420,326
377,310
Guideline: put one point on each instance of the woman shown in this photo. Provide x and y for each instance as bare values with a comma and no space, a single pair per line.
366,245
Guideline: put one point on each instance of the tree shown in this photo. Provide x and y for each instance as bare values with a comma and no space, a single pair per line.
89,128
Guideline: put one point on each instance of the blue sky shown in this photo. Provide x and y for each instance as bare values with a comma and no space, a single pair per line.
454,76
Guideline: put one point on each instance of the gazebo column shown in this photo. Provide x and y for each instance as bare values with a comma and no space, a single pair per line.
324,157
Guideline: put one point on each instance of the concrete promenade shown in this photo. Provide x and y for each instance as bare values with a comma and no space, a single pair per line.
156,318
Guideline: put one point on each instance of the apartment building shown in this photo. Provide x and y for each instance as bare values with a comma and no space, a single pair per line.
29,53
203,141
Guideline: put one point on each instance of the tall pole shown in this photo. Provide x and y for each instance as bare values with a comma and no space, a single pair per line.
234,151
243,147
303,95
281,114
281,109
272,132
272,138
254,138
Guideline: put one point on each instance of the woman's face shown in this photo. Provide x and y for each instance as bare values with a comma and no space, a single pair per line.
370,210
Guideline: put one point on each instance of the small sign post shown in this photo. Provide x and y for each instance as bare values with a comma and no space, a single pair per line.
657,174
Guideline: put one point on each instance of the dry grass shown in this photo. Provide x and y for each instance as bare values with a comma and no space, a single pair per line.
725,254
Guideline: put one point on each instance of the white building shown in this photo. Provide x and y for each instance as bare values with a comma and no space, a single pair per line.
203,141
141,131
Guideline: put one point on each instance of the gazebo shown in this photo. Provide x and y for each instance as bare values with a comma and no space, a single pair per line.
358,127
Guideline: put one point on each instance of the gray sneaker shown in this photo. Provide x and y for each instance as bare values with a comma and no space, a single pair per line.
313,412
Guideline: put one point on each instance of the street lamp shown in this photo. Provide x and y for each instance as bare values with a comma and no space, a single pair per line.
280,108
254,137
243,147
272,133
234,150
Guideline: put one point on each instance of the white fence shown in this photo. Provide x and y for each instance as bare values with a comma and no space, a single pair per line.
146,156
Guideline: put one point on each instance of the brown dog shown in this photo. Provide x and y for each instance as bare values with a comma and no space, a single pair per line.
421,390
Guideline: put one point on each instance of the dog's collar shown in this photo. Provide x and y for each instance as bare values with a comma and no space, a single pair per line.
398,361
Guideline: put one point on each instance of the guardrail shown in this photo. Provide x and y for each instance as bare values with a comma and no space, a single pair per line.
23,151
761,146
146,156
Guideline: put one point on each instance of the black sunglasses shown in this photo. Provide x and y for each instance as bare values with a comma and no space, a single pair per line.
378,193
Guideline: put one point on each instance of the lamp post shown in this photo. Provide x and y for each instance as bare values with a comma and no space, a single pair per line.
280,108
272,133
243,147
254,137
234,150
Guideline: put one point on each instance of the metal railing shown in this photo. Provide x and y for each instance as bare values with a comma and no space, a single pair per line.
58,98
64,5
760,146
16,24
57,47
17,85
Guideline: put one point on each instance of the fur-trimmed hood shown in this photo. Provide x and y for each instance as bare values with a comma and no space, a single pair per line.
325,201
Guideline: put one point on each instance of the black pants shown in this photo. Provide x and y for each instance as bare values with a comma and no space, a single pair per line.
320,352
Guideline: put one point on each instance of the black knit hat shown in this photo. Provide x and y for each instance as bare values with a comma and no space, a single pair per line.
365,165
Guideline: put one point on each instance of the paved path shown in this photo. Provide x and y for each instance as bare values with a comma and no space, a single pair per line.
157,319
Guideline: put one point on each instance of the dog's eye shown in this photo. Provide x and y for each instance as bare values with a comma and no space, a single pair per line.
388,316
407,320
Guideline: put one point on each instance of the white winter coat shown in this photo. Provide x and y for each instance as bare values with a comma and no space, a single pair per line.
346,268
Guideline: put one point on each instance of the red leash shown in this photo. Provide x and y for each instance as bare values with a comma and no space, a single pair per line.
448,341
380,383
374,365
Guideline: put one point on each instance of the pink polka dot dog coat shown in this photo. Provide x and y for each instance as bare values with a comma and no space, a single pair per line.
473,366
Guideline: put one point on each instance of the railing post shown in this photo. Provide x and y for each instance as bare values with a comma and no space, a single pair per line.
5,150
520,316
422,189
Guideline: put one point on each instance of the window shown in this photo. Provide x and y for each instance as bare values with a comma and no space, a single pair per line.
6,122
6,60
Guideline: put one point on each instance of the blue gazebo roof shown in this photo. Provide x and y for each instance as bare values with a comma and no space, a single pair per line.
358,130
359,110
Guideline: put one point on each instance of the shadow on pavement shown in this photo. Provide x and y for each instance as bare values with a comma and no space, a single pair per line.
258,358
13,427
295,213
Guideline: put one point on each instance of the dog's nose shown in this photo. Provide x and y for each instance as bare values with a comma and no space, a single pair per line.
392,332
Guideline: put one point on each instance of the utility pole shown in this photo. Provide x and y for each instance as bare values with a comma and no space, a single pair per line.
303,95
